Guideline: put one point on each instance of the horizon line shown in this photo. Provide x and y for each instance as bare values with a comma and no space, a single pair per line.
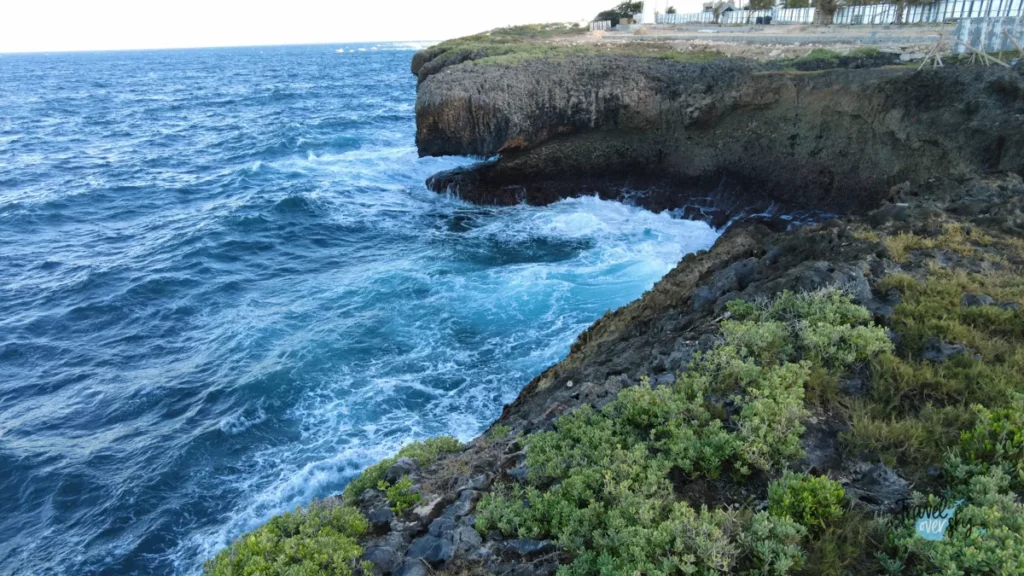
214,47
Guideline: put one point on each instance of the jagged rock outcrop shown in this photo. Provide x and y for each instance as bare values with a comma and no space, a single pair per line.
836,139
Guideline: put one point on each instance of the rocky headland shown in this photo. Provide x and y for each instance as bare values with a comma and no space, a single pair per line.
791,401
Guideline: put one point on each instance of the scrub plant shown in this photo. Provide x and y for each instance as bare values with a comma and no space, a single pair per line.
400,494
917,409
425,453
320,539
985,537
599,483
813,501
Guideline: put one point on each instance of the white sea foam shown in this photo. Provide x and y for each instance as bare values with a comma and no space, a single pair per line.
608,253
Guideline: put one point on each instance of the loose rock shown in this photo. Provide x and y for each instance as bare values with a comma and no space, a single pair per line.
939,352
385,560
403,467
380,519
430,549
972,300
879,488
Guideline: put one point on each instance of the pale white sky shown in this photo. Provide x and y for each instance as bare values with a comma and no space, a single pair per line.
55,25
100,25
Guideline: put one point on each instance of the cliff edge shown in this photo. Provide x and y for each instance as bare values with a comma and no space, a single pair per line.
836,139
795,400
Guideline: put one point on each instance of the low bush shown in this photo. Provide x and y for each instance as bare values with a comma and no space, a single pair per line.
815,502
997,441
918,408
599,483
425,453
864,52
499,432
399,494
321,539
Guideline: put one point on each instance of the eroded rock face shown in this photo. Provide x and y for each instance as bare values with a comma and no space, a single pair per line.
837,139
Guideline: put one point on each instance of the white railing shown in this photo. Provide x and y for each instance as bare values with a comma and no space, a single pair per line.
601,25
939,11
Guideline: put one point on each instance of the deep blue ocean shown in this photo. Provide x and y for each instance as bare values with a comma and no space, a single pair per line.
224,290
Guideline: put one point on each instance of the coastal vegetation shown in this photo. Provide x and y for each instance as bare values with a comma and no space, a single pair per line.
323,537
320,539
513,45
605,484
424,453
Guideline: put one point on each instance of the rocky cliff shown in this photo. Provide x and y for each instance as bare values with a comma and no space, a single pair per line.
927,164
770,406
837,139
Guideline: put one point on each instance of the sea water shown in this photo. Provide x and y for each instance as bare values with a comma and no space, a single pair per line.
225,290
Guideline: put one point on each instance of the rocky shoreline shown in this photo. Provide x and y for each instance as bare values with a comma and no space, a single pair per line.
922,170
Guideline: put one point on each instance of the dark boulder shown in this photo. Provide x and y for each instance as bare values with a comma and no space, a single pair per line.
385,560
526,548
972,300
413,568
380,519
430,549
937,351
879,489
403,467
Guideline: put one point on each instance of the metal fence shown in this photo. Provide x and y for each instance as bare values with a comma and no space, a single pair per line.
601,25
777,15
874,14
694,17
868,14
793,16
958,9
926,13
743,16
989,34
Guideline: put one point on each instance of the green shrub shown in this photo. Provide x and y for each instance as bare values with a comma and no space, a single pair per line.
598,484
814,501
769,424
322,539
773,543
997,441
425,453
499,431
400,494
864,52
912,443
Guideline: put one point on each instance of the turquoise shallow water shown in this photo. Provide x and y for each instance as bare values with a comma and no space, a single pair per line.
224,290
